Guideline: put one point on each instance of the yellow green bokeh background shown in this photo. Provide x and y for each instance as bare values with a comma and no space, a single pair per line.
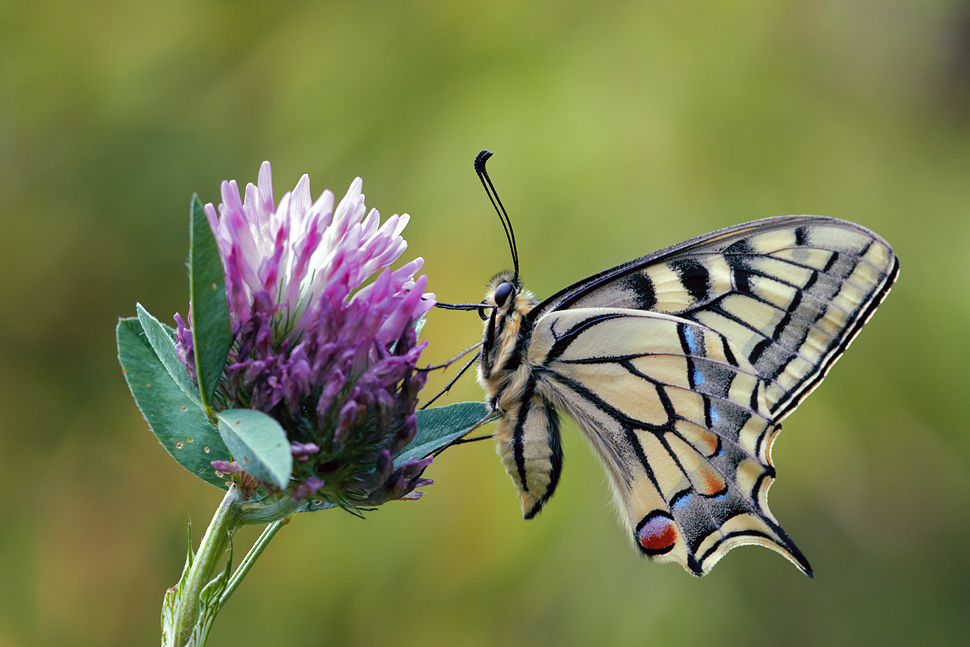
619,128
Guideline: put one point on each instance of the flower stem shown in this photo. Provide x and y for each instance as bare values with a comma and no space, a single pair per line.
191,605
217,539
250,558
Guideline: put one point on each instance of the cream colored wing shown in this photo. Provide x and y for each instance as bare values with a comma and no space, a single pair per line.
679,367
790,293
679,419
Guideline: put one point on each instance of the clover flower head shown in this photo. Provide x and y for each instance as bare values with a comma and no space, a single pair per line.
331,356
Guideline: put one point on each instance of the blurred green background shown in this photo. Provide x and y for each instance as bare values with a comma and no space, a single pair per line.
619,128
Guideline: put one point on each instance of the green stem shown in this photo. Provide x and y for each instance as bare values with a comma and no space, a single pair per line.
217,537
255,513
191,606
250,558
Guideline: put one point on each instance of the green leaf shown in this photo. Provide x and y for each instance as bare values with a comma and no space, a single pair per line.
441,426
211,330
179,424
164,346
258,444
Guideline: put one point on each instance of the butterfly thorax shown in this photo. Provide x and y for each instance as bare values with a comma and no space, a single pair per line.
505,340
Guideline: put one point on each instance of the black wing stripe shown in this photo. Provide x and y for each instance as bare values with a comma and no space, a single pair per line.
733,417
565,339
693,276
699,515
628,426
641,285
718,378
811,381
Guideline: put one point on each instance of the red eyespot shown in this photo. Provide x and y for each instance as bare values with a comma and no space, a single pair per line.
656,533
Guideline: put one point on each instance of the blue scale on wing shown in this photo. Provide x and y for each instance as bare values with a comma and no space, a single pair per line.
718,493
714,511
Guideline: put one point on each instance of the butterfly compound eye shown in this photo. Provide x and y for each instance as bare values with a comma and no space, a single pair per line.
502,293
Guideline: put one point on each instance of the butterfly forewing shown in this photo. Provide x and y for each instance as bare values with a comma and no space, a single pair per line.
790,292
679,367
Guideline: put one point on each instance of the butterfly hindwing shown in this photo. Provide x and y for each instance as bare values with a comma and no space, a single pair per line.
680,421
679,367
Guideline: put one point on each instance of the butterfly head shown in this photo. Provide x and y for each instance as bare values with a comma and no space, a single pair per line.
505,296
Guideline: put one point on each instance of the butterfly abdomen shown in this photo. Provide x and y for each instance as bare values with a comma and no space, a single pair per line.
527,441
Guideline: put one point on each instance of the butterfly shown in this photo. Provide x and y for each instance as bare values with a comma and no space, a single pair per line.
679,367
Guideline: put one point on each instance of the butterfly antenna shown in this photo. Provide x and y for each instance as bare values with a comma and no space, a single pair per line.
499,208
